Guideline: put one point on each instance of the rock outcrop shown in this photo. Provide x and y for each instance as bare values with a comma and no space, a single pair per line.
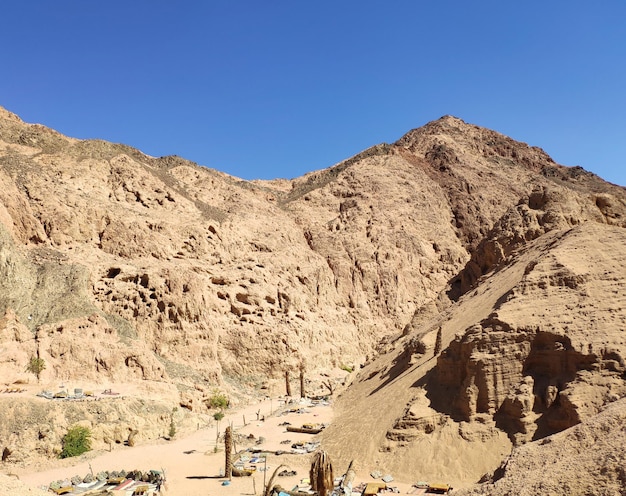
586,459
535,348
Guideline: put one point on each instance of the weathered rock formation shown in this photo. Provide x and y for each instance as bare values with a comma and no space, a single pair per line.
586,459
536,347
120,267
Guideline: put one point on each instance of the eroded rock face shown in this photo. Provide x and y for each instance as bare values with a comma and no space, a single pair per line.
535,348
545,209
204,270
35,428
586,459
172,275
534,380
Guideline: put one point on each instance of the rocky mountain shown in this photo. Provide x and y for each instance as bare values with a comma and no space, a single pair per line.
120,267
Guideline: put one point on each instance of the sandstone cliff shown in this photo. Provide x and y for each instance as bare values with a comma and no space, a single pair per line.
120,267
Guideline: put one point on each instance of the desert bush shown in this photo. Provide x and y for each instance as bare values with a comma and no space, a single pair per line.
172,431
76,442
218,400
36,366
131,438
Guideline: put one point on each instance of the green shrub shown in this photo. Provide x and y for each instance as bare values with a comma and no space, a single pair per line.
172,431
347,368
218,400
36,366
76,442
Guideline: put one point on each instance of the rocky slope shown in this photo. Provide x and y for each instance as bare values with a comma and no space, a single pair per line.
534,349
586,459
178,279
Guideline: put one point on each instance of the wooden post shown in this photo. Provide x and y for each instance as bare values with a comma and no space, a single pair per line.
302,392
287,384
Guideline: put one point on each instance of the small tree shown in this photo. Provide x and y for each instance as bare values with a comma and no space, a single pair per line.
218,400
36,366
76,442
217,416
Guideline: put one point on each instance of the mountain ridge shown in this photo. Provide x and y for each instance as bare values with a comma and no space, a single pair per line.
185,280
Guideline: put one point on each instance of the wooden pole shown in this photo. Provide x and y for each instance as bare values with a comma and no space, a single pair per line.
287,383
348,479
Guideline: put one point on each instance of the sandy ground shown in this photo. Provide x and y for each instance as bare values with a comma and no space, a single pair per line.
191,464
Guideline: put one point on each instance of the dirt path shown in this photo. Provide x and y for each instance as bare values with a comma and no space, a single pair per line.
191,464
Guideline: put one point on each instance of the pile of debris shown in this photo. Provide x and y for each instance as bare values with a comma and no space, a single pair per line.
133,483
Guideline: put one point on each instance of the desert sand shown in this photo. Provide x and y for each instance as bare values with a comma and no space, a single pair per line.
191,464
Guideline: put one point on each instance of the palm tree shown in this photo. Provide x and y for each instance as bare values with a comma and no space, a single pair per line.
269,486
321,473
228,448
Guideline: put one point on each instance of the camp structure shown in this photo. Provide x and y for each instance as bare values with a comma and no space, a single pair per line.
134,483
239,469
63,490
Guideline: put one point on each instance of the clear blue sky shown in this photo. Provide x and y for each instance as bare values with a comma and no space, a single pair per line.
279,88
